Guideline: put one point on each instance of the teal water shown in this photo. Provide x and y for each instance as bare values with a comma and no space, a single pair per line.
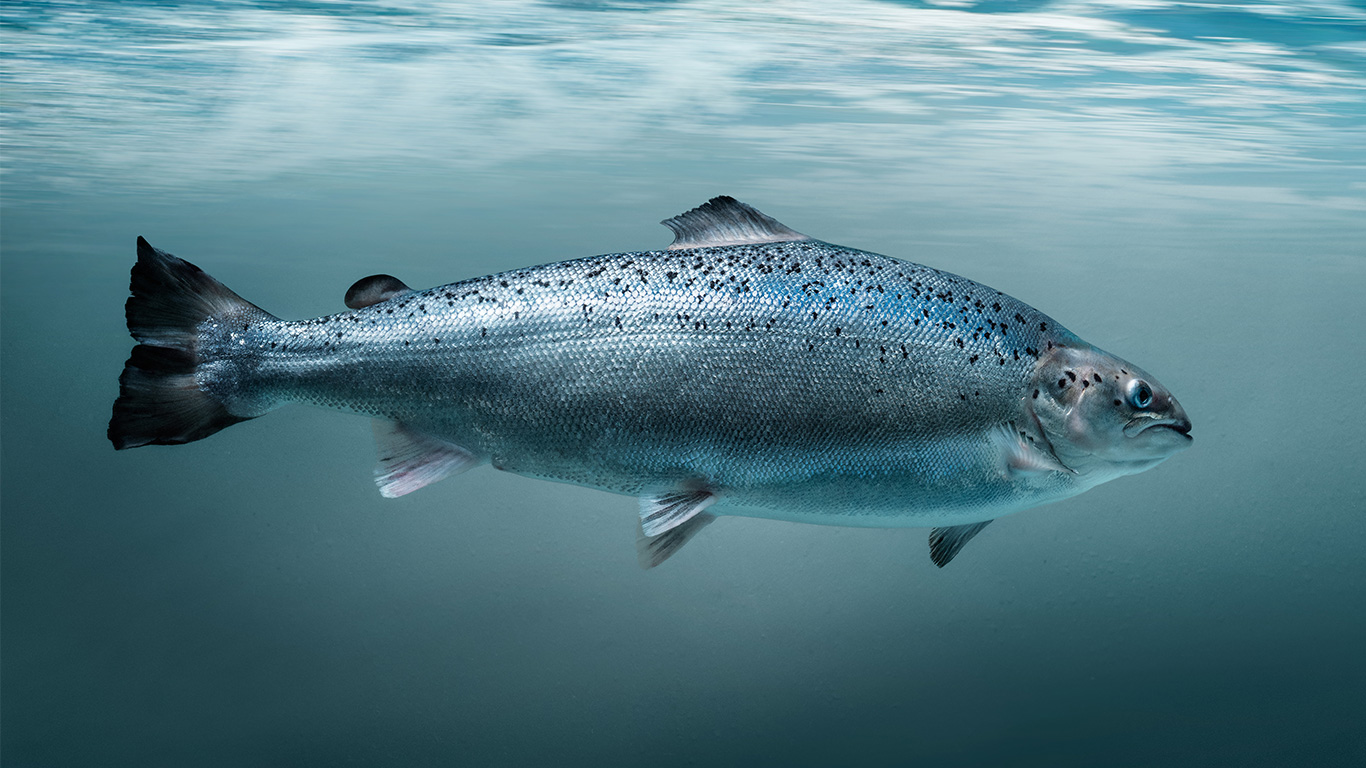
1182,183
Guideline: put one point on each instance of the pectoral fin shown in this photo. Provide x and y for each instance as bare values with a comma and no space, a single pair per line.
409,459
673,508
1024,456
653,550
945,542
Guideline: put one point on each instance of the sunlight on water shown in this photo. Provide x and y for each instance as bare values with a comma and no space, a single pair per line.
179,95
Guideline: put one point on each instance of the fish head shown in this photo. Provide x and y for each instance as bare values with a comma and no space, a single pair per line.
1103,413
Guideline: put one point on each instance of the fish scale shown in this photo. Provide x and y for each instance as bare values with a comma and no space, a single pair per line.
703,336
746,370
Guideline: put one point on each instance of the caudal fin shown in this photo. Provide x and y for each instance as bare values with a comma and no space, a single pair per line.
160,402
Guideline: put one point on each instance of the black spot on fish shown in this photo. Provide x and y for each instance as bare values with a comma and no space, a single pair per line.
972,359
1062,383
1044,327
1036,394
1117,402
1071,375
1096,376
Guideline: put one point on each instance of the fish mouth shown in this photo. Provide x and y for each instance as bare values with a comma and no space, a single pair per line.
1142,424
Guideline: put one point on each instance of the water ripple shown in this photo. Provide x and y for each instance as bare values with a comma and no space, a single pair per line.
188,94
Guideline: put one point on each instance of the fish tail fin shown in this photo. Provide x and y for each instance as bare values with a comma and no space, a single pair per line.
160,399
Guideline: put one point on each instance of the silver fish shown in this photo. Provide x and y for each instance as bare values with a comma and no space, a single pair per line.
747,370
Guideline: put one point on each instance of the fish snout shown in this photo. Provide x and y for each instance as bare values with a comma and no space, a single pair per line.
1172,418
1175,417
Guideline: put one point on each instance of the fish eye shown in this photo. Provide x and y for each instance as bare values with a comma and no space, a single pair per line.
1140,394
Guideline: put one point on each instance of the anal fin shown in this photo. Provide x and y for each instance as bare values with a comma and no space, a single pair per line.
653,550
662,511
945,542
409,460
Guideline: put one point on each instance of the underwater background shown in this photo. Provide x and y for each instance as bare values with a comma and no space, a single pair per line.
1180,183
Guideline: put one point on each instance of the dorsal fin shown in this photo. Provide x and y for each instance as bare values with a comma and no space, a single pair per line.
374,289
726,221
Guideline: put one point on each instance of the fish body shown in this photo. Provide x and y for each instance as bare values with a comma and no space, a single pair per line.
746,370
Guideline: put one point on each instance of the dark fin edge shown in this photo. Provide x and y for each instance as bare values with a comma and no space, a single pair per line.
946,542
159,401
653,550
